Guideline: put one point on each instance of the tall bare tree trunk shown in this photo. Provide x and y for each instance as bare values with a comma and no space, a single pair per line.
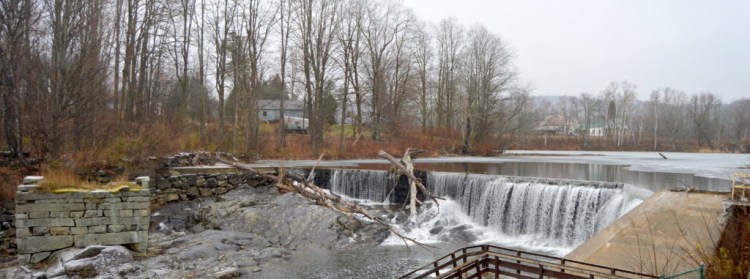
202,76
118,41
284,30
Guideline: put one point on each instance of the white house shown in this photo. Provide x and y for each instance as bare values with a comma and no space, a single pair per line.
270,110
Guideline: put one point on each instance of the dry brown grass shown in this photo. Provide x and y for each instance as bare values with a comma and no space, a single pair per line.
9,179
64,180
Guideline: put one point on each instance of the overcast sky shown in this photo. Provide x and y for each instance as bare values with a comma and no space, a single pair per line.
568,47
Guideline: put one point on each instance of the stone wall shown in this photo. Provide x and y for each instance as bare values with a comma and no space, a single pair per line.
170,188
7,230
47,222
191,186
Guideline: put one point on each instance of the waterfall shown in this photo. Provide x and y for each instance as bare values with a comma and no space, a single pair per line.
369,185
551,216
561,215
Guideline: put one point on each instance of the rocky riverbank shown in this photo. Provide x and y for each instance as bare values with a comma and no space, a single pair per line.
234,235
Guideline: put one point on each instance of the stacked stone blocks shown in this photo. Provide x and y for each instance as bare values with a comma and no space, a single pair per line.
183,187
47,222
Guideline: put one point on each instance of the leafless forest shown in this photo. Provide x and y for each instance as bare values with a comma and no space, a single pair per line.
122,78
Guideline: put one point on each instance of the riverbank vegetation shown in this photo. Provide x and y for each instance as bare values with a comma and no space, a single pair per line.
126,78
114,82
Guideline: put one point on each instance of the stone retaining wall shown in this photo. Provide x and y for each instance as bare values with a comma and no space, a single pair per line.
191,186
169,188
47,222
7,230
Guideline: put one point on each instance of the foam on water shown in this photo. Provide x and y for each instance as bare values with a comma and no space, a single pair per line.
488,209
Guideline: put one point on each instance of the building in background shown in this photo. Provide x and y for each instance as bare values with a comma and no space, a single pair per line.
270,110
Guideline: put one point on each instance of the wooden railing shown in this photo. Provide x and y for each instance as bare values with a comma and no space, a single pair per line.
484,260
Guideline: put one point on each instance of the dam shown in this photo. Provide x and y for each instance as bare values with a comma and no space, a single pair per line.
641,229
582,221
549,215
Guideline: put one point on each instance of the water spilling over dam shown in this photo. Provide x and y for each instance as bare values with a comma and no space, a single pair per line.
547,215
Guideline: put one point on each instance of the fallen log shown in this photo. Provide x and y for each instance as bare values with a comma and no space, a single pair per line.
409,175
290,182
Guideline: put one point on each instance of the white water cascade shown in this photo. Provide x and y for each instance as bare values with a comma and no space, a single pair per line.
544,215
563,215
369,186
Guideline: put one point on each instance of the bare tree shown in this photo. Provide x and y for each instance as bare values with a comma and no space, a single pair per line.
704,112
202,72
423,58
587,104
346,39
384,23
258,20
514,115
223,22
655,103
488,79
621,97
568,110
285,24
17,19
400,78
182,31
449,37
739,112
318,22
118,42
673,116
77,71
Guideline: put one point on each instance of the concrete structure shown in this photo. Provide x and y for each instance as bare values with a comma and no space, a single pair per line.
666,234
47,222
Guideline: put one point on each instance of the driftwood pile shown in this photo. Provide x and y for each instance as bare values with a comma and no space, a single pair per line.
288,182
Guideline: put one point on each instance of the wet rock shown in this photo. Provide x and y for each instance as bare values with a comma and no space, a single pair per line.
459,234
193,192
436,230
200,182
289,220
211,244
229,273
87,262
205,192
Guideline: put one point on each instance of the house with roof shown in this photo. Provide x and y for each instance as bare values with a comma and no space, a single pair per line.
270,110
557,124
596,127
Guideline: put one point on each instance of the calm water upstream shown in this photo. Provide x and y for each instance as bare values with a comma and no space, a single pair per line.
704,171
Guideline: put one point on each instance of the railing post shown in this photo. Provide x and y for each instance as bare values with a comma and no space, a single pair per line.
497,267
541,271
518,254
437,270
702,270
562,263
